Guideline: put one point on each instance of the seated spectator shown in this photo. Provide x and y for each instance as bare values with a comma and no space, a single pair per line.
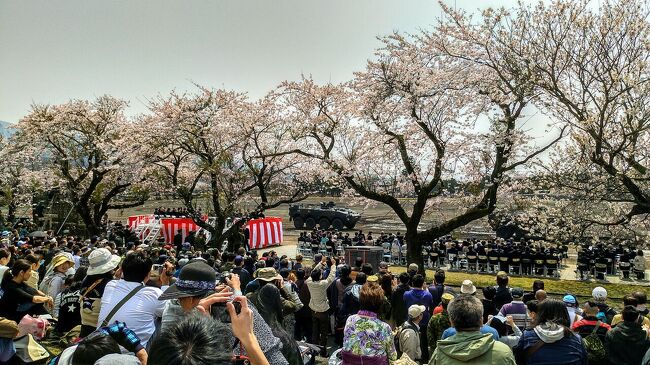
627,342
19,299
201,340
439,323
409,336
102,265
540,295
358,347
469,345
551,340
52,283
641,299
36,264
571,304
502,296
537,285
66,304
143,308
591,325
633,301
508,331
600,297
101,344
531,310
516,309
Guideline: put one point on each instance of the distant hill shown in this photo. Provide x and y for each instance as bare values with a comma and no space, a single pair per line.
5,129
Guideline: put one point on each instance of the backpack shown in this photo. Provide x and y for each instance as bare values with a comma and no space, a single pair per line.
397,332
594,345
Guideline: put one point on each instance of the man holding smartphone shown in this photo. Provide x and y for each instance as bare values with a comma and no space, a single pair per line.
319,304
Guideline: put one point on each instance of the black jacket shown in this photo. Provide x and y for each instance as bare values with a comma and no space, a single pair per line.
626,344
398,310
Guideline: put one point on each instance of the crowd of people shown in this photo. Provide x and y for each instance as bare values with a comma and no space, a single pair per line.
154,304
163,212
530,258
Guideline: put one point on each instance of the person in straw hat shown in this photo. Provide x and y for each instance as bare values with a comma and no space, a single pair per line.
54,279
102,265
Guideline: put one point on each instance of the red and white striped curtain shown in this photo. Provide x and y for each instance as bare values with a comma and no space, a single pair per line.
136,220
264,232
170,226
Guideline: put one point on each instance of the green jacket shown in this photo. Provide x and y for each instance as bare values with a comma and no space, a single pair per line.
437,325
472,348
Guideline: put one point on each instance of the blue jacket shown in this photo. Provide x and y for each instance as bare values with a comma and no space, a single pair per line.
484,330
565,351
420,297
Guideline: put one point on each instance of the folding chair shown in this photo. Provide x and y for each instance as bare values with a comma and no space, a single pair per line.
515,266
472,263
482,263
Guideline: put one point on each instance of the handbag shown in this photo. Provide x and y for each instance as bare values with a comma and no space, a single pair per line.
29,351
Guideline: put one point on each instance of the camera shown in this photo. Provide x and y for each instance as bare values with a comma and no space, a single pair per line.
221,278
220,313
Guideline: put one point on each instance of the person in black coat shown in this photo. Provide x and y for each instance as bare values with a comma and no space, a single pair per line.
398,306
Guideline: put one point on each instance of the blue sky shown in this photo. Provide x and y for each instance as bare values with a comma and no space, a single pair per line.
53,51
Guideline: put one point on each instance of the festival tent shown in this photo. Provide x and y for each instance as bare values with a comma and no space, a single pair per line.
172,225
264,232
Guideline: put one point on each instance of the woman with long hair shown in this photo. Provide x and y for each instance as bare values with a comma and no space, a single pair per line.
19,299
551,341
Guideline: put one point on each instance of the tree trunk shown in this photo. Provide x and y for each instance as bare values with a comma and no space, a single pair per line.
414,248
92,227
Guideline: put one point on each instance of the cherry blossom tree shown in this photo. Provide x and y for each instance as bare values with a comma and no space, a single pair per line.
592,67
217,144
408,123
91,154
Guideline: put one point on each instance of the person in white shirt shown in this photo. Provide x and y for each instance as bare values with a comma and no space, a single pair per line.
77,258
143,308
319,304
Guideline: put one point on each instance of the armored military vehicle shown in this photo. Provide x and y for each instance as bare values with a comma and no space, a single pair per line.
325,215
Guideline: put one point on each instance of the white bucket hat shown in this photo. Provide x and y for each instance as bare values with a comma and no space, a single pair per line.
467,287
101,260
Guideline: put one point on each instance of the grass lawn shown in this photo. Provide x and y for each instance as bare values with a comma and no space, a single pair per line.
554,287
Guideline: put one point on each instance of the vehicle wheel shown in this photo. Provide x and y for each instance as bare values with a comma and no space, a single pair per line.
324,223
310,223
351,225
337,224
298,222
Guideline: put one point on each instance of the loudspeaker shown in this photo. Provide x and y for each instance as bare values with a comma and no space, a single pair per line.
369,254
